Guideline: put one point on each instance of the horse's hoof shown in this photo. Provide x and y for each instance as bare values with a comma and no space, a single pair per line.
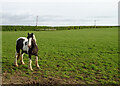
38,67
16,65
31,69
23,63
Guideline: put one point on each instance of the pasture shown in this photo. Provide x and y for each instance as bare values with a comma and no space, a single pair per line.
85,56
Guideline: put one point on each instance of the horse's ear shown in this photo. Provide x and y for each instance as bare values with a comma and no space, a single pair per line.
28,34
32,34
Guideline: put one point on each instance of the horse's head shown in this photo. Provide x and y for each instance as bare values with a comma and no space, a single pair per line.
31,39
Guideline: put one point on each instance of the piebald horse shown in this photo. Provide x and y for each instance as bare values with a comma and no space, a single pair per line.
29,46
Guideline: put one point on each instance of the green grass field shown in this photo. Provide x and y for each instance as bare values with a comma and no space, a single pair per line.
85,56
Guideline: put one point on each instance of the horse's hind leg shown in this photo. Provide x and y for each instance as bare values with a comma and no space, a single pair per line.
16,58
17,55
22,62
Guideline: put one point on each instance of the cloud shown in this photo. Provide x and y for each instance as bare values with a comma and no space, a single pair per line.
100,17
47,18
30,19
9,18
52,20
51,12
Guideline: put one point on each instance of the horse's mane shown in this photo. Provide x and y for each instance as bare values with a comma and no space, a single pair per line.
34,38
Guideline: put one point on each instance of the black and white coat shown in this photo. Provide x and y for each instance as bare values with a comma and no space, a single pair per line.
29,46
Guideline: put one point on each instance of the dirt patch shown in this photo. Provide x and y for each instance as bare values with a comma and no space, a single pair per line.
18,79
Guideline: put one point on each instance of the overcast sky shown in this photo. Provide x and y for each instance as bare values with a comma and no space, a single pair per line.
59,12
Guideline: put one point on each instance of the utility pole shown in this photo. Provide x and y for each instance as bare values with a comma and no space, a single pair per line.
95,23
37,21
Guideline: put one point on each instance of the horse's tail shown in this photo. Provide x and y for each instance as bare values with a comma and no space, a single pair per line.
18,51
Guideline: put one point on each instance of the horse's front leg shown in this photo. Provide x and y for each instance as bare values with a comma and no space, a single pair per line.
37,65
30,62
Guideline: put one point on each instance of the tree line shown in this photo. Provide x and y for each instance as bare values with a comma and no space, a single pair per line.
44,28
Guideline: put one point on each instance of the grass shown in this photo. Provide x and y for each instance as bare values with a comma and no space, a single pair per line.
88,55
